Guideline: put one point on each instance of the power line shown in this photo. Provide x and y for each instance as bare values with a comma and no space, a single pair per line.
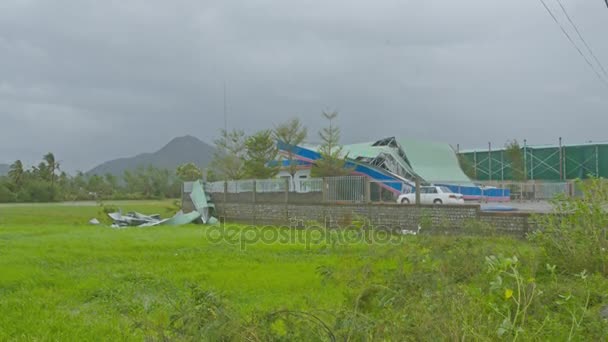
581,37
572,42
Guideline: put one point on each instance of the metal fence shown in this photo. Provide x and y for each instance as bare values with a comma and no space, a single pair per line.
331,189
309,185
503,191
345,189
536,191
356,189
264,186
269,185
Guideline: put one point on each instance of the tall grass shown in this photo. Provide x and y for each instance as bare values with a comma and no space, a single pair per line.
61,279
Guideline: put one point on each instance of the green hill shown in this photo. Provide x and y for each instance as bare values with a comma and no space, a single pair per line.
179,151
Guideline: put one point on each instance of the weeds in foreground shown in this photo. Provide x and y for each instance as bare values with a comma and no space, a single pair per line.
417,298
574,237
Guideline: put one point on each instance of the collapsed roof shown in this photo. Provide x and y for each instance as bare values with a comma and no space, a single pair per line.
431,162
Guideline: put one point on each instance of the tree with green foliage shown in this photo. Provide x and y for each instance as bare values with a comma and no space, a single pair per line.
149,182
42,183
159,182
111,180
189,172
51,166
6,195
16,173
41,172
79,180
261,150
332,163
291,133
515,156
211,176
99,187
229,157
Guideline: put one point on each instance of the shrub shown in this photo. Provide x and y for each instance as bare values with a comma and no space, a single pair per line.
37,191
6,195
573,237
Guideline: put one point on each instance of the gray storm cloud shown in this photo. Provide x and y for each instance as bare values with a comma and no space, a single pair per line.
95,80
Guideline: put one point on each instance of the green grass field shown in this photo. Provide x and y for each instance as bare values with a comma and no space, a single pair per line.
62,279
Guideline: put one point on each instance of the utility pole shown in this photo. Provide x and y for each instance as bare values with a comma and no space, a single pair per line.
561,160
225,111
597,160
225,139
490,160
502,165
525,160
475,164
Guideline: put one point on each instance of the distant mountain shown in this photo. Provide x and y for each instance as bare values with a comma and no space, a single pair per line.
4,169
181,150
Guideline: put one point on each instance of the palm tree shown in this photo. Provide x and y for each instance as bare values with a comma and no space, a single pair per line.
53,165
16,173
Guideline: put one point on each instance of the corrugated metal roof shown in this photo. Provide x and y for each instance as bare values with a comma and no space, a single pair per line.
434,161
366,150
430,161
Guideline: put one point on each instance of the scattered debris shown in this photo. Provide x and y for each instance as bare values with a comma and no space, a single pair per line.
604,312
94,222
202,214
201,202
134,219
180,218
411,232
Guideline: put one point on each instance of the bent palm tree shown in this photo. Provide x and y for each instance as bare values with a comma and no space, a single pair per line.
53,166
15,173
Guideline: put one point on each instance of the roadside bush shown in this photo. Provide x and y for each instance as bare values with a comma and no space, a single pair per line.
573,237
6,195
37,191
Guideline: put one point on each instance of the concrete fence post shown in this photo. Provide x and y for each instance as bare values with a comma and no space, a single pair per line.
368,189
255,190
287,190
225,191
418,191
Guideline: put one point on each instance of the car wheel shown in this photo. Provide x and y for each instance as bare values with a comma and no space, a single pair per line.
437,201
405,201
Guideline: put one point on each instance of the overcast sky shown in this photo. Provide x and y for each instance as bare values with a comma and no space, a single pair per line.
94,80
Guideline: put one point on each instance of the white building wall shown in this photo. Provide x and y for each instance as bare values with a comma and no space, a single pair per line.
300,174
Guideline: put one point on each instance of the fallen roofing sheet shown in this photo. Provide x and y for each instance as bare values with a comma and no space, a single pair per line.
134,219
201,203
180,218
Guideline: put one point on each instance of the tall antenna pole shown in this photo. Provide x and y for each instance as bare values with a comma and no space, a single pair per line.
225,111
561,160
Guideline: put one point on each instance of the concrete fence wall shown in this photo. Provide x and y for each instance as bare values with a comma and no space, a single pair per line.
301,209
436,219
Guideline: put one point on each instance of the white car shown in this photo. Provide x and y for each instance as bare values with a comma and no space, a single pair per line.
432,195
